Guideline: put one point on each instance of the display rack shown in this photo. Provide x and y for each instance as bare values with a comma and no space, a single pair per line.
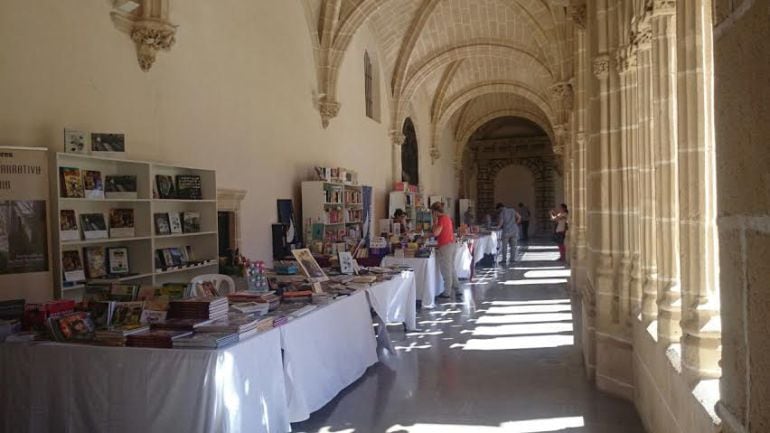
143,245
336,206
408,201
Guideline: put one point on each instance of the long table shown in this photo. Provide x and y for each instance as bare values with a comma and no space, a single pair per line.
426,273
260,384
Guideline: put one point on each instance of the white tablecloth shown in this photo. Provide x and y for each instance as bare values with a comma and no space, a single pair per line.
325,351
395,301
463,261
485,244
49,387
426,274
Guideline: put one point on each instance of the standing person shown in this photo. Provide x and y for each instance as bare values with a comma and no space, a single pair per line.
525,215
508,222
399,217
443,230
561,218
468,217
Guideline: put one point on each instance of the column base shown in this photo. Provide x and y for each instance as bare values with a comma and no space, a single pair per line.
614,366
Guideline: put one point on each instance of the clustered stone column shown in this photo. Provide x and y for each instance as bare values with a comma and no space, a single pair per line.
397,138
701,341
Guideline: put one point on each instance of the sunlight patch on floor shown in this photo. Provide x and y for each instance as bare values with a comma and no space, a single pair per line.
517,343
525,426
520,329
536,302
547,273
524,318
526,309
534,282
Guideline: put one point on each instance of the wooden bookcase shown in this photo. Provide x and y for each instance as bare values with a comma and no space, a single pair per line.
143,245
338,206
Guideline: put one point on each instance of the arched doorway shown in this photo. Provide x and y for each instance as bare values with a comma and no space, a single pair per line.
409,162
515,184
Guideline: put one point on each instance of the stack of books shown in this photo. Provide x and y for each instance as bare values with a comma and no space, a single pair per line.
158,338
258,308
206,340
182,324
117,336
300,296
244,325
265,323
198,308
269,298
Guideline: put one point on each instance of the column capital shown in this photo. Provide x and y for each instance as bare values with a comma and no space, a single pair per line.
328,109
601,66
578,14
663,7
626,58
397,137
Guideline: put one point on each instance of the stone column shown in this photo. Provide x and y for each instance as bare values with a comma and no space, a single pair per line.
397,138
614,357
649,268
701,324
666,170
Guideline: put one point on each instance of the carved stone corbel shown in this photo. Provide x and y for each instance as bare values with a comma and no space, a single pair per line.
397,137
626,59
601,66
579,15
149,28
435,154
328,109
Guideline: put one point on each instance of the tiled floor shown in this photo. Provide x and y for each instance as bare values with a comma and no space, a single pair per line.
505,360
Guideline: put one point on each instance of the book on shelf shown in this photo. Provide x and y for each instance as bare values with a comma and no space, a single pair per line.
96,262
188,187
122,223
71,182
74,141
101,313
123,292
165,186
174,223
68,225
191,222
108,142
72,266
117,261
162,224
92,184
173,290
120,187
177,257
94,226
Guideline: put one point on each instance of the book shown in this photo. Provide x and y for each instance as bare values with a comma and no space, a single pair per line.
123,187
168,258
160,338
173,290
165,186
213,340
94,226
72,326
123,292
117,261
71,182
122,223
181,324
153,316
162,224
97,292
96,262
174,223
101,142
74,141
101,313
176,257
188,187
191,222
126,313
12,309
234,322
72,266
68,225
92,184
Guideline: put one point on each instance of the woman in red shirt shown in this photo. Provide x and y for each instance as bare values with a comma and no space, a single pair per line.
443,230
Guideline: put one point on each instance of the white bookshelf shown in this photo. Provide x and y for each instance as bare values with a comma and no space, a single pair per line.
317,207
409,202
143,245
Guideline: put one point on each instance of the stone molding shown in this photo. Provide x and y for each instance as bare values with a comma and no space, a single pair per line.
601,66
149,28
578,14
664,7
435,154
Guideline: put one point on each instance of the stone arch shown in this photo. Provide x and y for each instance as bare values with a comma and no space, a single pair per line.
464,133
542,172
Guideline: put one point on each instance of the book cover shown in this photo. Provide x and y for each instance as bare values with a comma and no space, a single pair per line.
165,186
188,187
189,253
94,226
74,141
72,266
177,256
174,223
101,313
127,313
101,142
120,187
75,326
71,182
162,224
68,225
123,292
173,290
96,262
117,260
92,184
97,292
153,316
168,258
191,222
122,223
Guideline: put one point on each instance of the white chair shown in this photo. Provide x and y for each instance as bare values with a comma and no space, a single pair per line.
223,284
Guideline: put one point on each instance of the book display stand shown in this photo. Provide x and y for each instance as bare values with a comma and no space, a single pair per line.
158,222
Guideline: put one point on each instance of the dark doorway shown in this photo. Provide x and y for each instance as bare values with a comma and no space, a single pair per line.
409,166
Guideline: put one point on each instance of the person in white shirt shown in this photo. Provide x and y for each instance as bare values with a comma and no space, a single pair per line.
561,218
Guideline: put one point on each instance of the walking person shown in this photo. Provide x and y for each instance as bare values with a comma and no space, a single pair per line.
561,218
508,222
525,216
443,230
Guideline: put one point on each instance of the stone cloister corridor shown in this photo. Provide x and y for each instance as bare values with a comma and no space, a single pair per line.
504,360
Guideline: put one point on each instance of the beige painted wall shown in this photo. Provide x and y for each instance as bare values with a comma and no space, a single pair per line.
515,184
235,93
